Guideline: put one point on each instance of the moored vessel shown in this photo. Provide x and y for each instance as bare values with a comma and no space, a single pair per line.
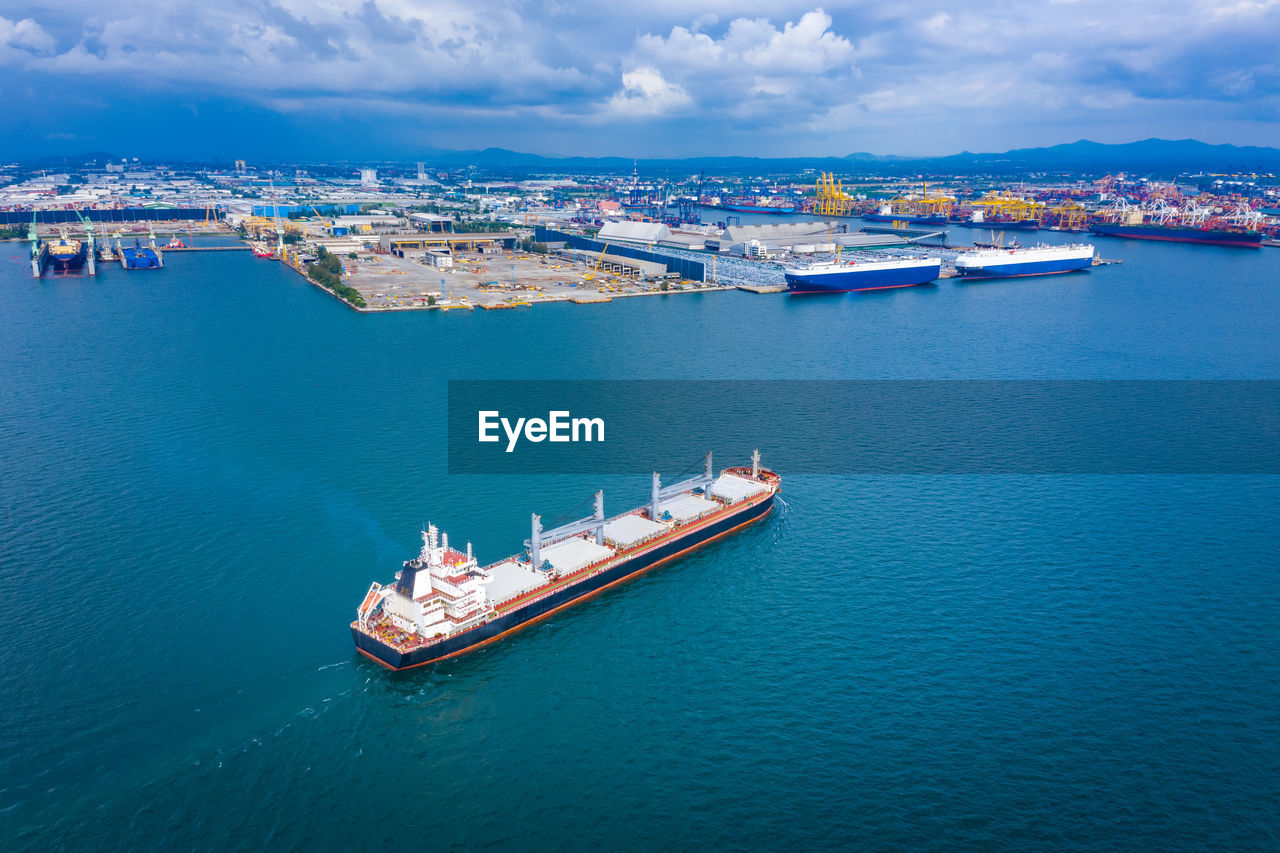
846,276
911,218
1032,260
444,603
66,253
140,257
1245,238
764,204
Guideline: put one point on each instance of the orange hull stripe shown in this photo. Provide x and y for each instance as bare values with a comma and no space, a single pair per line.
558,608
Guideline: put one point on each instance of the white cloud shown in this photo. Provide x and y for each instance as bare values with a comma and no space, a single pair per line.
646,94
784,73
755,45
21,40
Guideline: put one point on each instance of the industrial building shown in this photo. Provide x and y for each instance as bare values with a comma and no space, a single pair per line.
796,237
627,231
432,222
617,264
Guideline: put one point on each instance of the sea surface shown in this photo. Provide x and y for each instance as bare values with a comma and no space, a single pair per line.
203,468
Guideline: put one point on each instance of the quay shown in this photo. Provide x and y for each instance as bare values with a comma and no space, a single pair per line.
207,248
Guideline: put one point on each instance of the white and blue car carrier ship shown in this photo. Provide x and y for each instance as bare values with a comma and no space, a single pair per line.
1032,260
879,273
444,603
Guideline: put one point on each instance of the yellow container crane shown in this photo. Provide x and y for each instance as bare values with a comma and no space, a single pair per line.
830,198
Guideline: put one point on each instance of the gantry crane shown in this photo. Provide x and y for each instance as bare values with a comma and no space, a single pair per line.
830,198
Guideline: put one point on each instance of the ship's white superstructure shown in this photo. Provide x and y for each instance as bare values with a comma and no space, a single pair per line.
440,591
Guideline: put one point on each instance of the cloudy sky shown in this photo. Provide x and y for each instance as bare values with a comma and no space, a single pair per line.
388,78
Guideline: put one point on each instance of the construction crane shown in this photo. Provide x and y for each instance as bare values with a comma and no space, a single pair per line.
590,276
275,217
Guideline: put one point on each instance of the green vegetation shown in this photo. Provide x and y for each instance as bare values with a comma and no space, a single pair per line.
528,245
290,238
478,226
14,232
352,255
327,272
431,300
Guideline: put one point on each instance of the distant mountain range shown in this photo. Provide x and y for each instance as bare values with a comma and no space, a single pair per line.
1148,156
1163,158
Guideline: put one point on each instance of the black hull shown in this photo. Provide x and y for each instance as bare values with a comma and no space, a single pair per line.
1020,225
67,263
491,631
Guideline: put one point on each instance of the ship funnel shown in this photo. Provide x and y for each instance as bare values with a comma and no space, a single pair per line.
755,464
599,516
653,496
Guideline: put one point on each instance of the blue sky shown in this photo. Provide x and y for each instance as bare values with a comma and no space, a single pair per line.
388,78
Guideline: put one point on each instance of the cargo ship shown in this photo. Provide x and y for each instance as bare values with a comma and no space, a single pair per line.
1033,260
1181,234
443,603
65,253
1002,224
752,205
912,218
847,276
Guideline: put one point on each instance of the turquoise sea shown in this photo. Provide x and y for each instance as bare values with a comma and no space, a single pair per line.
203,468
